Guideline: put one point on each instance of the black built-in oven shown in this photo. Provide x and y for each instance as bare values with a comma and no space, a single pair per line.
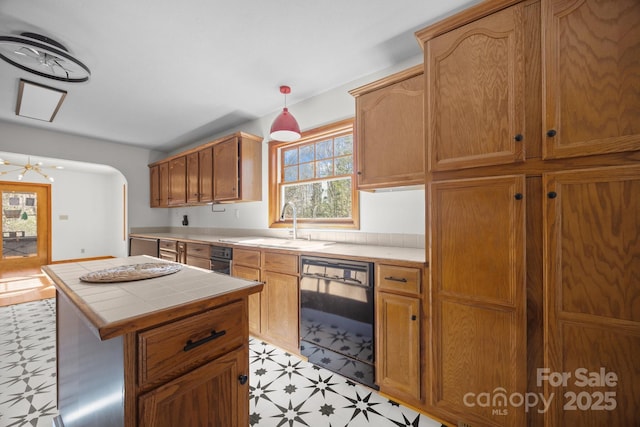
221,259
336,316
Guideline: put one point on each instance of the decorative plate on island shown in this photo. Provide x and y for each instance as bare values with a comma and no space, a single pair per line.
128,273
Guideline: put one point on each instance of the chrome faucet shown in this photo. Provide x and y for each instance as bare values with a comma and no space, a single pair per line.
295,217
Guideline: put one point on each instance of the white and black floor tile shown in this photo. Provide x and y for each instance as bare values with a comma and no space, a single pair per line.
285,391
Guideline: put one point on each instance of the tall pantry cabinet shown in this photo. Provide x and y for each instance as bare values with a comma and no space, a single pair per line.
533,140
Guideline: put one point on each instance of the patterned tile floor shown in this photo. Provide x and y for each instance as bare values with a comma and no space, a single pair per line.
284,390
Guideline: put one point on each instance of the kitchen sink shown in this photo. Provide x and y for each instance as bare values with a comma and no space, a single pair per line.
272,242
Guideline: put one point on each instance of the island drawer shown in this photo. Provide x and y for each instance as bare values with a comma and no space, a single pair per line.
397,278
171,350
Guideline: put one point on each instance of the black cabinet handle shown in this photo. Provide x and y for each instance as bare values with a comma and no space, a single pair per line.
396,279
518,196
552,194
243,379
359,173
518,137
551,133
191,345
413,317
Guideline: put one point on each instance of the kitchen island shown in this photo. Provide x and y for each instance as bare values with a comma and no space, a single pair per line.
164,351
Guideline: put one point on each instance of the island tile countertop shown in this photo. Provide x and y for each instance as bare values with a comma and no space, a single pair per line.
364,252
117,308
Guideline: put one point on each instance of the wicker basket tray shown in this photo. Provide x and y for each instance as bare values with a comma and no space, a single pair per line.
129,273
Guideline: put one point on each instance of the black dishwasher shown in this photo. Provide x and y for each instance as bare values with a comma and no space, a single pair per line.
336,316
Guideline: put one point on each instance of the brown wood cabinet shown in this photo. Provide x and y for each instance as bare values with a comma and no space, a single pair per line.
592,77
198,255
210,395
399,325
178,181
237,169
193,178
246,265
154,186
228,169
475,86
274,313
592,293
478,295
205,175
172,250
390,131
572,257
159,185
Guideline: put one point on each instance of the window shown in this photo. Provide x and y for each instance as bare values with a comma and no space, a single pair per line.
316,173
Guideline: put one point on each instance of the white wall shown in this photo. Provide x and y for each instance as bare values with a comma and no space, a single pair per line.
87,213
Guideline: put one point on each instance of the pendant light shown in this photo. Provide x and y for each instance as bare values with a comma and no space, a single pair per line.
285,127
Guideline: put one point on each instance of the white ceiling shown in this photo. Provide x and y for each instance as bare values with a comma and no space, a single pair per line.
167,73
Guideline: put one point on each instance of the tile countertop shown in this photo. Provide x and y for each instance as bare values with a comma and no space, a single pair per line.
363,252
113,309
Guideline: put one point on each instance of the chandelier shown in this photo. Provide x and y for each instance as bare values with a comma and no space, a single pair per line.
28,167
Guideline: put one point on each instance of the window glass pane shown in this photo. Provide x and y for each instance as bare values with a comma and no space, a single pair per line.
344,145
291,156
324,168
344,165
326,199
306,153
291,173
306,171
19,225
324,149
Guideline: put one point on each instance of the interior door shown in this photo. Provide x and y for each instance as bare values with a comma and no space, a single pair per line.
26,237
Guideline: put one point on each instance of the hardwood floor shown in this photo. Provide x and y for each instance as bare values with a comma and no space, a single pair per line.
24,286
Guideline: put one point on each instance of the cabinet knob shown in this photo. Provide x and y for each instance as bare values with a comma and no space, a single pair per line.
413,317
243,379
359,173
518,137
552,194
551,133
518,196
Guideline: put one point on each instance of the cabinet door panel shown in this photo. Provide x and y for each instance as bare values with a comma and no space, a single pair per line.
280,317
192,173
255,300
163,178
592,289
154,186
398,344
478,295
592,76
225,170
475,93
178,181
390,132
205,161
208,396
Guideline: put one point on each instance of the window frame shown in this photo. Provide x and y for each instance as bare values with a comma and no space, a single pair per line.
275,204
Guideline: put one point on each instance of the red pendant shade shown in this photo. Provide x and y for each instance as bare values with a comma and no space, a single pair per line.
285,128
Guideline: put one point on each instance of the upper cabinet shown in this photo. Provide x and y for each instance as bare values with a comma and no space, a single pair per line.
475,85
228,169
178,181
390,131
591,77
